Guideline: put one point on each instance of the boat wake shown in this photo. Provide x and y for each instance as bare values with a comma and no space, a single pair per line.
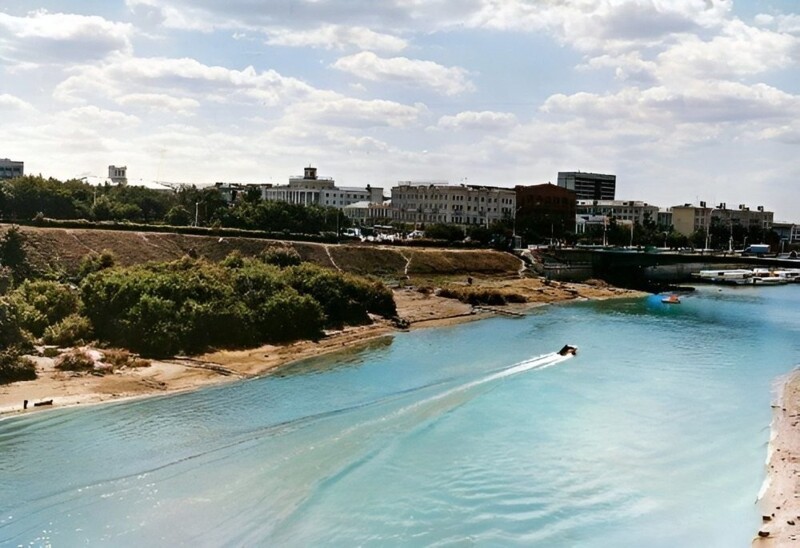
274,475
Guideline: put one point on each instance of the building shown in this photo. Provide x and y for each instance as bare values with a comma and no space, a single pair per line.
621,210
312,190
547,209
439,202
368,213
664,217
10,169
233,192
787,232
589,186
689,218
118,175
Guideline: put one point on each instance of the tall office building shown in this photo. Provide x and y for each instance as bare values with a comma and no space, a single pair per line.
589,186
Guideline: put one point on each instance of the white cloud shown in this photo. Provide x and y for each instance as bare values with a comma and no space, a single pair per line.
712,102
98,118
180,79
159,101
478,121
739,50
43,37
334,110
782,23
336,37
12,103
610,25
407,72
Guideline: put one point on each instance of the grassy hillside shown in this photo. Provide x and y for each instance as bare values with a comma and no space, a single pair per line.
61,250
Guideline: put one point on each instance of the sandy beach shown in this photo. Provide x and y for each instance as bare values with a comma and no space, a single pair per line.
779,504
420,308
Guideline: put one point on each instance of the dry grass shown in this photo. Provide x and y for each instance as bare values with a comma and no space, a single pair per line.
61,250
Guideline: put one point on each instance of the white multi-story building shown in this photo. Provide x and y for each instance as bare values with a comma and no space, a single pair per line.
621,210
438,202
312,190
10,169
118,174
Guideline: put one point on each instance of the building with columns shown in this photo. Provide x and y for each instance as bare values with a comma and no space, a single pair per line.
313,190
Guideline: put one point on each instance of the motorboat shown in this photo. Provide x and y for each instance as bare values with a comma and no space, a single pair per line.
765,276
736,276
671,299
791,275
568,350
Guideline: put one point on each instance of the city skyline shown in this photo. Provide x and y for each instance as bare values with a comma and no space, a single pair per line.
684,101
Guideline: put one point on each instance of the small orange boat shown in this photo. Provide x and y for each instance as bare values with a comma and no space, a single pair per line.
671,299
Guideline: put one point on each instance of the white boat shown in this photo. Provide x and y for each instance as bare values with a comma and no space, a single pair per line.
765,276
789,274
738,276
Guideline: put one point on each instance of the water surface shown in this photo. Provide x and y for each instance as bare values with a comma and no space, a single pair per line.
655,434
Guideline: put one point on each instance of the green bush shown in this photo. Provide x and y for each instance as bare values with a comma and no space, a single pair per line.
44,303
345,298
72,330
281,256
95,262
192,305
14,367
12,333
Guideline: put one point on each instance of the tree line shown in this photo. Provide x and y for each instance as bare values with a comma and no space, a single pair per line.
30,197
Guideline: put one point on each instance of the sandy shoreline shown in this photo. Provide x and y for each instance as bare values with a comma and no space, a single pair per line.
420,309
779,502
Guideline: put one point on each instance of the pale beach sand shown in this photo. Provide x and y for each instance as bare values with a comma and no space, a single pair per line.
780,497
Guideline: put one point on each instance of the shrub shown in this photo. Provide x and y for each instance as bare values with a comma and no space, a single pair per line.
191,305
95,262
72,330
12,333
14,367
75,360
44,303
234,259
117,357
281,256
345,298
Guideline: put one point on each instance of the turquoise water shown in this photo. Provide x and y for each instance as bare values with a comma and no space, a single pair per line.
655,434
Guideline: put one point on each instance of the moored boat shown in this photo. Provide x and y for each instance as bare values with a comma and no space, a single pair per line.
737,276
671,299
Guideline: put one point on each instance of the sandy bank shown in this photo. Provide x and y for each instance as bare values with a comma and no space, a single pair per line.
780,505
420,308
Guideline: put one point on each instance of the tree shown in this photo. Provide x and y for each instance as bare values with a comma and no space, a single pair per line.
178,216
13,254
441,231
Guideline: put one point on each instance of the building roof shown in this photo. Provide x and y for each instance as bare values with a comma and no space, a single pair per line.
100,181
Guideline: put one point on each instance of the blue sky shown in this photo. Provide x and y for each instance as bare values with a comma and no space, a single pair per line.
684,100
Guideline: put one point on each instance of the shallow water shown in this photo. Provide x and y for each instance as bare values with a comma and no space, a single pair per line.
655,434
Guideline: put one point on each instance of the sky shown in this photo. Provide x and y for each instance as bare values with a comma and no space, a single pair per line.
684,100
